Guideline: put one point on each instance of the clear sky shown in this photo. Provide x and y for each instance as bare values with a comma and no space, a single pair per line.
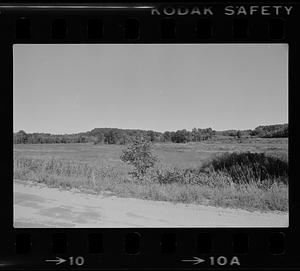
75,88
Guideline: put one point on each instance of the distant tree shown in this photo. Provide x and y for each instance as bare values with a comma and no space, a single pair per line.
180,136
99,138
167,136
151,135
110,137
82,139
124,139
21,137
195,135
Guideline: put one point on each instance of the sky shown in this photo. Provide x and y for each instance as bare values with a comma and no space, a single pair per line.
71,88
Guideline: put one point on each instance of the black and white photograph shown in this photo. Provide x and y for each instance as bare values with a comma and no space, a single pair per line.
150,135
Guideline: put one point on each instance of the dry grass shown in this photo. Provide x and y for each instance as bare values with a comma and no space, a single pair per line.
162,183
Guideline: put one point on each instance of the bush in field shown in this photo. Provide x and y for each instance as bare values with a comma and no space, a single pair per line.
248,167
138,154
191,176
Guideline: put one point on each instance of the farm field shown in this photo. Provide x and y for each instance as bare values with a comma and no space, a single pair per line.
97,168
181,155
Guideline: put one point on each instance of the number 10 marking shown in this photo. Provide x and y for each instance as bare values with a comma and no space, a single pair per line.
76,260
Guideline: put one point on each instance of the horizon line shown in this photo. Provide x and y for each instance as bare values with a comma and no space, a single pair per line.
147,129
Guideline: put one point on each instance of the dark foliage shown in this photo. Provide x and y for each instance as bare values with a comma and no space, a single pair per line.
268,131
124,136
248,167
114,136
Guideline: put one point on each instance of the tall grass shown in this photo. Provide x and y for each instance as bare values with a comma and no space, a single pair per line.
64,168
249,167
252,182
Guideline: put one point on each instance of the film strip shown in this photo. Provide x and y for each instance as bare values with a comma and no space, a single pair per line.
33,245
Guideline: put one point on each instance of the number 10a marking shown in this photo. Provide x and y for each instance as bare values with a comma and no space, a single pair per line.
222,260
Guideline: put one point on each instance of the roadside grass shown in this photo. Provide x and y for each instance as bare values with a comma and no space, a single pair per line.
207,184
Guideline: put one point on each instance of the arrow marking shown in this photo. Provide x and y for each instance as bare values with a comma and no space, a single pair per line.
58,260
196,260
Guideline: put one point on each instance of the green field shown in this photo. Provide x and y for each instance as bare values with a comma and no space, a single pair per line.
98,168
173,154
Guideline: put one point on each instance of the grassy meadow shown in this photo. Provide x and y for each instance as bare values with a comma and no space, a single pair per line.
184,173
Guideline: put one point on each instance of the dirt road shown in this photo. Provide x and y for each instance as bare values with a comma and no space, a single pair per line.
38,206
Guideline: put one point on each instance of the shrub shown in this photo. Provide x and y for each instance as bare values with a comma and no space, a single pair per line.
138,154
191,176
248,167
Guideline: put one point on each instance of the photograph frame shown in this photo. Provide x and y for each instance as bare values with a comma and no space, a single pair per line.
159,248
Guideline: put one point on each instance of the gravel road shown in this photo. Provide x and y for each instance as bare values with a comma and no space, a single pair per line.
38,206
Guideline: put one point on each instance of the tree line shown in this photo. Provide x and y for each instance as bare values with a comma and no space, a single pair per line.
124,136
115,136
277,130
263,131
